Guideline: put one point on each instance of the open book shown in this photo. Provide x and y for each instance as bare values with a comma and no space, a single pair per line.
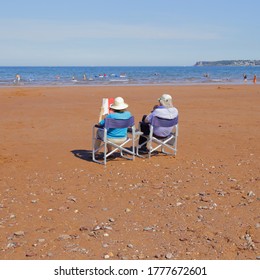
106,102
105,107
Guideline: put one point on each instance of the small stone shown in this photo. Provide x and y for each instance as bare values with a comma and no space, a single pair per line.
19,233
12,245
93,234
141,256
97,228
127,210
121,256
30,254
168,256
200,218
71,198
203,207
250,194
130,246
83,228
41,240
148,228
64,237
232,179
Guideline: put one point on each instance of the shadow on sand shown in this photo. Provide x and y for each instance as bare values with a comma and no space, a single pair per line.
83,154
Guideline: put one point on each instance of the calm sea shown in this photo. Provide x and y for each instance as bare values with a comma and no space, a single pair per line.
69,76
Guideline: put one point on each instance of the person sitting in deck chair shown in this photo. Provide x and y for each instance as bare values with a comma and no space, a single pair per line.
115,135
164,110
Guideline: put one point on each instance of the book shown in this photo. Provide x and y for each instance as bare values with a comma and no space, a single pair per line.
105,107
106,102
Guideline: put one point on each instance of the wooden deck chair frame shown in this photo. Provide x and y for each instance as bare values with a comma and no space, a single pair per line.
167,145
114,123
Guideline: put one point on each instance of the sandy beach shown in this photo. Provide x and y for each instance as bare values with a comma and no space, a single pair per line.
55,203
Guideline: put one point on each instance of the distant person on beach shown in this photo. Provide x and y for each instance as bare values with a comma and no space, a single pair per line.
116,135
74,79
165,110
245,78
17,78
254,80
84,77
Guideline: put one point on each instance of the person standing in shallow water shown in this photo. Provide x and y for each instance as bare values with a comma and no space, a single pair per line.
254,79
17,78
245,78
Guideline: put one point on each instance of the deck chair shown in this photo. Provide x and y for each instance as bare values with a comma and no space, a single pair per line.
167,145
109,147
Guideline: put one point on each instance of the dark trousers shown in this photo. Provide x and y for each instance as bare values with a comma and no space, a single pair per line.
145,128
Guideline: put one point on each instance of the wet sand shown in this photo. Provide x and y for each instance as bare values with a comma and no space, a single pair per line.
55,203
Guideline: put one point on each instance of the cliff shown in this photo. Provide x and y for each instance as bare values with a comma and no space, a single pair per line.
229,63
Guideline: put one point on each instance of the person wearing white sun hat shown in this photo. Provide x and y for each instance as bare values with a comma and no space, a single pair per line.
116,135
164,110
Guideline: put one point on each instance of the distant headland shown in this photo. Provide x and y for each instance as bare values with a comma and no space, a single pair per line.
228,63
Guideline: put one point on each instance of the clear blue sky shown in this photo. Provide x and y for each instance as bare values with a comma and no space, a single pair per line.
127,32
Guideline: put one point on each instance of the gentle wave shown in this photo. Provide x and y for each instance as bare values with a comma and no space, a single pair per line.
85,76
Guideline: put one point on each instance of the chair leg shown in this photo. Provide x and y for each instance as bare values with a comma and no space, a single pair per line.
109,146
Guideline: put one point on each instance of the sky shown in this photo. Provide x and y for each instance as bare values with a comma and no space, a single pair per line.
127,32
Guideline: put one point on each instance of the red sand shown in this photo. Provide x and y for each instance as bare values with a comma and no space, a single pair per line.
55,203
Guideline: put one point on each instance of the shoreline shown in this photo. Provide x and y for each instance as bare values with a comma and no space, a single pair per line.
120,84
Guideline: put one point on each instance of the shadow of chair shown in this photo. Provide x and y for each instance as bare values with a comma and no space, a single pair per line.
83,154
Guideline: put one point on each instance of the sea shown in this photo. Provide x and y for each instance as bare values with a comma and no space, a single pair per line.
124,75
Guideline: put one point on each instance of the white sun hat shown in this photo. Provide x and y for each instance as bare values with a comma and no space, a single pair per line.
119,104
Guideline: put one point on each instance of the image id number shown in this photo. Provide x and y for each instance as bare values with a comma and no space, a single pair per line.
180,270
